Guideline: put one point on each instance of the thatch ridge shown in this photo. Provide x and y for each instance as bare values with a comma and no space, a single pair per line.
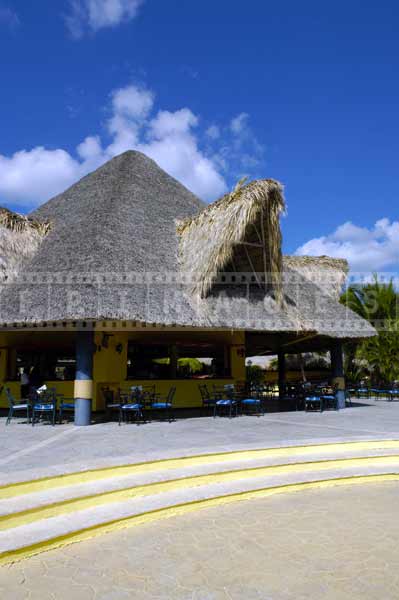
208,240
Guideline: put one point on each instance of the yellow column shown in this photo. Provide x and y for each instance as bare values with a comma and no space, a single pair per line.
237,357
110,363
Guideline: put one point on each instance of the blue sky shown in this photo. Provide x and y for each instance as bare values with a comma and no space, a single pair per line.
304,92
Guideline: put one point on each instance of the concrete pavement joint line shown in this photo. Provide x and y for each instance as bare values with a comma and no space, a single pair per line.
56,509
46,483
83,534
37,446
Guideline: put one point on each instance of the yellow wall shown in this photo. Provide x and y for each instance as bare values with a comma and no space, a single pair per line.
110,371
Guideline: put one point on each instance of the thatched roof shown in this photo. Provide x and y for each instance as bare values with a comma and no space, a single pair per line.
328,273
20,237
112,251
249,217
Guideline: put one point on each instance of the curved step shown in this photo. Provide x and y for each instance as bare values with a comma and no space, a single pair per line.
56,511
28,543
12,515
19,488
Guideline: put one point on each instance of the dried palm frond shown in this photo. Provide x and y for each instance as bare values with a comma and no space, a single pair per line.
208,240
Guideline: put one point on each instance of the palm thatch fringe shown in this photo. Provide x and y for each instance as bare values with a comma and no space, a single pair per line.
20,224
20,237
209,239
326,272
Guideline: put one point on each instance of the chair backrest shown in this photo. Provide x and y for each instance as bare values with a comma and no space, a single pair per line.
136,389
203,389
108,395
136,393
149,393
171,394
10,397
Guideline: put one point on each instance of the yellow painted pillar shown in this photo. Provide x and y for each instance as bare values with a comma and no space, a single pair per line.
110,363
237,358
3,365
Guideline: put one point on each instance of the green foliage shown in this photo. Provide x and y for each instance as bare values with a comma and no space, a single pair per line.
255,374
192,364
312,361
377,357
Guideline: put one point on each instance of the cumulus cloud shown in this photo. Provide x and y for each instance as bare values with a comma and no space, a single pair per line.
92,15
365,249
171,138
9,18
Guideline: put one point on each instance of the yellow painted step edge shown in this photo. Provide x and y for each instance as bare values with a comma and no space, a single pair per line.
27,487
72,505
181,509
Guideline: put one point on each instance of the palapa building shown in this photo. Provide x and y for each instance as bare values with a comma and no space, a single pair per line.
127,278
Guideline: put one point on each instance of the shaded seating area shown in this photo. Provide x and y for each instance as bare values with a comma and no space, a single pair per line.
388,391
139,403
320,397
229,400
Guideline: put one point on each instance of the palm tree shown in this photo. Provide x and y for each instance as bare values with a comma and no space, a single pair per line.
378,356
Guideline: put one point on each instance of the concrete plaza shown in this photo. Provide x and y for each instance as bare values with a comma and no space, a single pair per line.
28,452
334,544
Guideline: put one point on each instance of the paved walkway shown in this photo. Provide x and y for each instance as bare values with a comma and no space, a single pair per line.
27,452
332,544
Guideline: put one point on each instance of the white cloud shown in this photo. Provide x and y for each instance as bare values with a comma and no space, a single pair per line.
213,132
9,17
172,139
92,15
365,249
239,123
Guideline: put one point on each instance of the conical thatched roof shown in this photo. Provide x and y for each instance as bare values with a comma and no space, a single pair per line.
128,242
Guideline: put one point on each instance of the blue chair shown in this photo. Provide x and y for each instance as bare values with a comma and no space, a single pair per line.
65,405
16,407
44,404
134,406
226,405
252,405
393,394
165,403
321,397
208,401
313,401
